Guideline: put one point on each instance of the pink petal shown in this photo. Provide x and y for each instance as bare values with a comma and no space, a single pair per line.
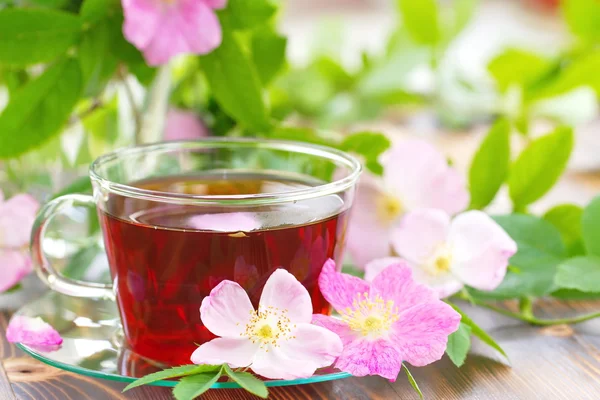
421,333
32,331
419,174
368,236
283,292
184,125
481,250
14,266
420,232
336,326
396,283
17,216
448,192
217,4
189,27
364,357
235,352
142,19
340,290
227,310
225,222
373,268
312,347
444,286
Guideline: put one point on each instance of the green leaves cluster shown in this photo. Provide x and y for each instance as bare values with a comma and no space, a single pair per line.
194,380
78,53
538,80
531,175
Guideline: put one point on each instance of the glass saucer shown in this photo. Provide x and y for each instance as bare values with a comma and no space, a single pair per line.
93,343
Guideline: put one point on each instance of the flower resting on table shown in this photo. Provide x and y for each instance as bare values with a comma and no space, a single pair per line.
446,254
415,175
276,341
32,331
385,322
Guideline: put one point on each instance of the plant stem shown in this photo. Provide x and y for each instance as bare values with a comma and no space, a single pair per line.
531,319
137,115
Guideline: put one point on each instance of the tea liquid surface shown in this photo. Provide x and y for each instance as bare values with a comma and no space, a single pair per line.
166,258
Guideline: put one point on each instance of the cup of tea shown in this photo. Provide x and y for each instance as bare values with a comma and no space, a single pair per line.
177,218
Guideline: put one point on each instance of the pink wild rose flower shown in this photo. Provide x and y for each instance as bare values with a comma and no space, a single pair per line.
386,322
184,125
276,341
32,331
162,29
415,175
16,220
446,254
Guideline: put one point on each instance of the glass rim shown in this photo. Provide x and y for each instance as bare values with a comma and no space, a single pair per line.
324,152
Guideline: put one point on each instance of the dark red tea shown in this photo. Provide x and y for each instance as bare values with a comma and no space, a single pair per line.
164,262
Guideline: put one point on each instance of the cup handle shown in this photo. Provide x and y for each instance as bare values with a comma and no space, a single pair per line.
42,265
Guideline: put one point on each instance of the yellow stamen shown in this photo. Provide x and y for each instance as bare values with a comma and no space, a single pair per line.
389,208
268,326
440,261
370,316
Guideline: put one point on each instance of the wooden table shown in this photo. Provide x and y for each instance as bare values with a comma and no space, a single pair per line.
552,363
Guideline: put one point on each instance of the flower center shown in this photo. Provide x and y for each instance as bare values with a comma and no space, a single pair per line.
389,208
440,261
371,317
268,326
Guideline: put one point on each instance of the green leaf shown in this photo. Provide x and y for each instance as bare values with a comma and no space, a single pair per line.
572,294
518,67
93,11
459,344
98,65
590,227
567,219
193,386
580,72
583,18
421,20
540,250
580,273
539,166
175,372
412,381
80,261
235,84
268,53
247,14
248,381
103,127
31,36
478,331
40,108
80,185
370,145
489,167
463,11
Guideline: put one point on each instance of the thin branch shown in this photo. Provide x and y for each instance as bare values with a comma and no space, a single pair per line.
137,115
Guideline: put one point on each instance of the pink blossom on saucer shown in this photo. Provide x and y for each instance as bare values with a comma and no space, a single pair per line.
16,220
385,322
184,125
225,222
276,341
32,331
162,29
446,254
415,175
